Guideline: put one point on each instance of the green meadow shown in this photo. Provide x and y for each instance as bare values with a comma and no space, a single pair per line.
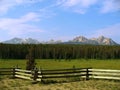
20,84
61,64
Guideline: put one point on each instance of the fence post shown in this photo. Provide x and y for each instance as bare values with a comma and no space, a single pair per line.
40,73
13,72
35,74
87,74
73,67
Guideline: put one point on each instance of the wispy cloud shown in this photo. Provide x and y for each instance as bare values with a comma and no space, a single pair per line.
6,5
47,12
110,31
110,6
20,25
79,6
82,3
25,24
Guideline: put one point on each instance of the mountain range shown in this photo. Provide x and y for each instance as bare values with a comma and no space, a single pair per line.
77,40
21,41
95,41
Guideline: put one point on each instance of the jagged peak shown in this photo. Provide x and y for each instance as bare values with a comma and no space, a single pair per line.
101,36
101,40
80,39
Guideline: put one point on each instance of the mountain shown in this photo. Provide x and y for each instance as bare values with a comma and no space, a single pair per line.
30,41
95,41
77,40
104,41
20,41
80,39
83,40
52,42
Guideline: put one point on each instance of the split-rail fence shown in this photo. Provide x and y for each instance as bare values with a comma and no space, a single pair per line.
40,74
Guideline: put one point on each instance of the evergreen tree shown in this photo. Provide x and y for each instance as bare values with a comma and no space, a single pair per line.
30,59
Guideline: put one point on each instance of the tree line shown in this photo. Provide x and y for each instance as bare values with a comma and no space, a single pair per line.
59,51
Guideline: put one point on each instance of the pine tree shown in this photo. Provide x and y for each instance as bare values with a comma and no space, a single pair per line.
30,59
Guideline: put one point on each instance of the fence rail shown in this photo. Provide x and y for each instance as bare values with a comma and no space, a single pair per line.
105,74
38,75
65,73
6,71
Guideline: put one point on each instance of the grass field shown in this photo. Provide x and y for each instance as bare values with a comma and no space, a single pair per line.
19,84
52,64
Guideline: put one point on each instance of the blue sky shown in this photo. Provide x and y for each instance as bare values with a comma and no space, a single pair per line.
59,19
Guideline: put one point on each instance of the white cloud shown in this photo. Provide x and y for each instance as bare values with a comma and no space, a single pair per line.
82,3
47,12
110,31
27,1
30,16
21,25
110,6
5,5
79,6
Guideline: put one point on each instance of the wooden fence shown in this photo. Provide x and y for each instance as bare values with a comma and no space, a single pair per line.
38,75
105,74
7,71
28,74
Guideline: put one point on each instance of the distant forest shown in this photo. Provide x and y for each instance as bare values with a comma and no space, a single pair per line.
59,51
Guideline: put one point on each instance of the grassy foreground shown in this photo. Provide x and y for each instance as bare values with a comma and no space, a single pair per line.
19,84
52,64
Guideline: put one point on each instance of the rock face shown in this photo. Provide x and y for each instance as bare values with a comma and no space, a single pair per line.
80,39
31,41
95,41
105,41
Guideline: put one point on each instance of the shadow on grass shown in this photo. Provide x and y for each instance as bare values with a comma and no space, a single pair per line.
51,81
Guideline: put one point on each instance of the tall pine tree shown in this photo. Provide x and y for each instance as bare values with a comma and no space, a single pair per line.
30,59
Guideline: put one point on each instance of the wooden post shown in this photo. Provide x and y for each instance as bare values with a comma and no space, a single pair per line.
13,72
35,74
40,70
87,74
